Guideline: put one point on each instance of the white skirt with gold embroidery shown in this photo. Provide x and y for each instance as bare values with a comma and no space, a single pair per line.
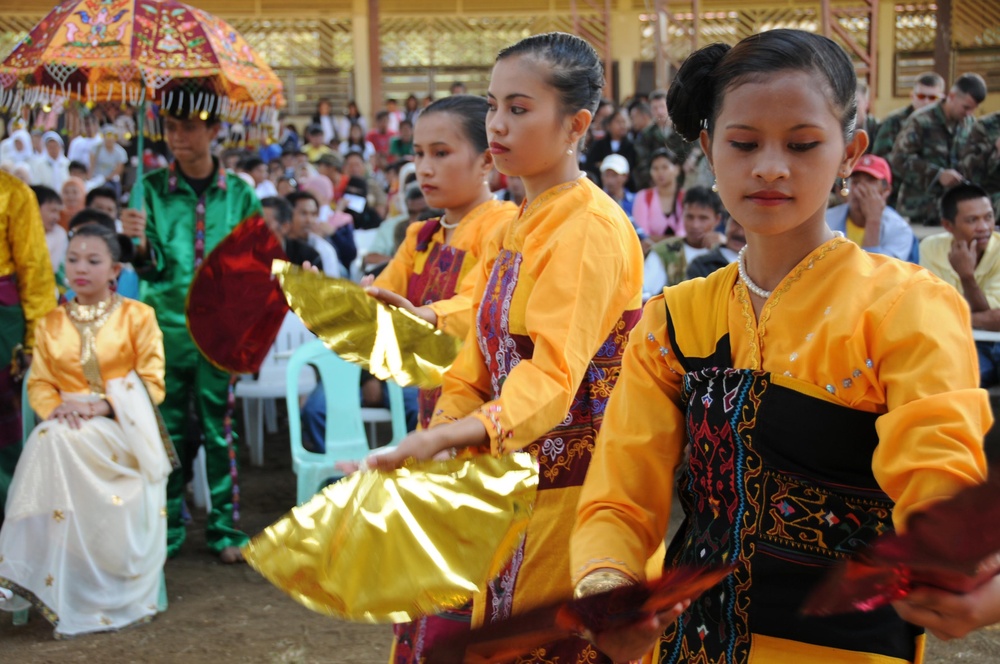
84,539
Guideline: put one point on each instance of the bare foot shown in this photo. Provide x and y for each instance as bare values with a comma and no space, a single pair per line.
231,555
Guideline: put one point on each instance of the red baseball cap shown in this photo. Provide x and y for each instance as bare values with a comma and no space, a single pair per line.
875,166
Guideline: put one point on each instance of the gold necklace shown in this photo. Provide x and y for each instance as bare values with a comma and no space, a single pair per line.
88,313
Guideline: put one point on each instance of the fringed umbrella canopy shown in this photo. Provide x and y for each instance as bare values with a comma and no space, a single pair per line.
135,51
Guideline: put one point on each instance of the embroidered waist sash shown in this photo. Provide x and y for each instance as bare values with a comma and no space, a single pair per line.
780,484
12,324
437,281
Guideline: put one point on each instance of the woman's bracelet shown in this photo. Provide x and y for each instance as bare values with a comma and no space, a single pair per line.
601,582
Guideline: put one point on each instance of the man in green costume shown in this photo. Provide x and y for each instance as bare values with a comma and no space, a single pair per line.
190,207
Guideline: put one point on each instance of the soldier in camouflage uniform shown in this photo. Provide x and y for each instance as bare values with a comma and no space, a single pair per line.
979,159
925,155
659,134
928,89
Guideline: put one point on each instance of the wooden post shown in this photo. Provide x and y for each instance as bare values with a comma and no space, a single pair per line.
374,58
942,41
873,54
695,24
826,17
660,39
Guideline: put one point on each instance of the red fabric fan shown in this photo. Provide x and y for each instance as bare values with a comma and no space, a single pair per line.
954,545
235,307
565,620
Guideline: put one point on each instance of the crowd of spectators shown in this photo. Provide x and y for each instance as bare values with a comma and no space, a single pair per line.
339,190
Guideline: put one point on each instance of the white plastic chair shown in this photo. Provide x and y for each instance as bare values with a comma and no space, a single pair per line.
199,483
259,394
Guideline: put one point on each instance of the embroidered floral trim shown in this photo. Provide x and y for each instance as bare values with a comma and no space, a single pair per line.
789,281
492,413
748,319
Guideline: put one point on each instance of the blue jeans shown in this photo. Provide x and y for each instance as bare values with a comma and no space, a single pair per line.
314,415
989,363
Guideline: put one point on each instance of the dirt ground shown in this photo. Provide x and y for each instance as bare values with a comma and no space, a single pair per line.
220,614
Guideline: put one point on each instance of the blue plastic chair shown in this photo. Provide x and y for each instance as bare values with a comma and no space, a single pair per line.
345,436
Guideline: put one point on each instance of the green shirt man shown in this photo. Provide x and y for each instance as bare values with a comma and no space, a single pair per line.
189,208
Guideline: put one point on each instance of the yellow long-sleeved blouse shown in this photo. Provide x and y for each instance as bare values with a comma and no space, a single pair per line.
454,314
129,340
864,331
579,269
23,253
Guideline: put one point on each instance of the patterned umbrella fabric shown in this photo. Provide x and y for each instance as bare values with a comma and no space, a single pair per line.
135,51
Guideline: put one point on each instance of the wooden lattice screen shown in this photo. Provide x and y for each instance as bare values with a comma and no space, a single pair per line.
975,24
313,57
975,42
731,26
424,54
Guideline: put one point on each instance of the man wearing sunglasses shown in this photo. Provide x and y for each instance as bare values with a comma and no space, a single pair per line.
925,156
928,88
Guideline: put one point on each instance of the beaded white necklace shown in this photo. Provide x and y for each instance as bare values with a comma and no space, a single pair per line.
745,278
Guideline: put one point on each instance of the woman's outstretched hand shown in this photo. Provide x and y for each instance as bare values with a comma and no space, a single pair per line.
632,642
398,301
417,446
949,615
427,444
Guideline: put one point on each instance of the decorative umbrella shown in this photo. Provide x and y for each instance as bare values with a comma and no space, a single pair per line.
137,52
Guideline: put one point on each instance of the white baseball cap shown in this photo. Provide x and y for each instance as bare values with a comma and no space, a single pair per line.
616,163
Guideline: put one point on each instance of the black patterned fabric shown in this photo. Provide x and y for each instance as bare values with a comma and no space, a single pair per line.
779,484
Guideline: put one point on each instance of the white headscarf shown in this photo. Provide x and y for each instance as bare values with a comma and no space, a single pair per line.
9,150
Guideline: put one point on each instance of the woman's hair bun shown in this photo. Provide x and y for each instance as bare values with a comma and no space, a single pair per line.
692,95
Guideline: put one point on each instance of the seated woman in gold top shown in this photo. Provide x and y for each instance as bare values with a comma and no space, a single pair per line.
85,533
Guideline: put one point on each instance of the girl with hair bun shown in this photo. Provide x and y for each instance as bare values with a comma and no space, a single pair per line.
85,538
558,291
810,396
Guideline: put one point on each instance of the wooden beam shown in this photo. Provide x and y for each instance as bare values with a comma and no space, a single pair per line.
851,42
826,17
695,23
375,57
942,41
872,53
660,40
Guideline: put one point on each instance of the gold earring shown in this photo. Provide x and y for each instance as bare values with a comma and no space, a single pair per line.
845,188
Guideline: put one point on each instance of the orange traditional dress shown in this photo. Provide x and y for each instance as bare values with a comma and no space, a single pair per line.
851,402
559,291
431,271
428,271
84,540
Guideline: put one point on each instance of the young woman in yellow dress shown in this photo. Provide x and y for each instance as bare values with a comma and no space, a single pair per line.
558,292
84,540
811,395
433,274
